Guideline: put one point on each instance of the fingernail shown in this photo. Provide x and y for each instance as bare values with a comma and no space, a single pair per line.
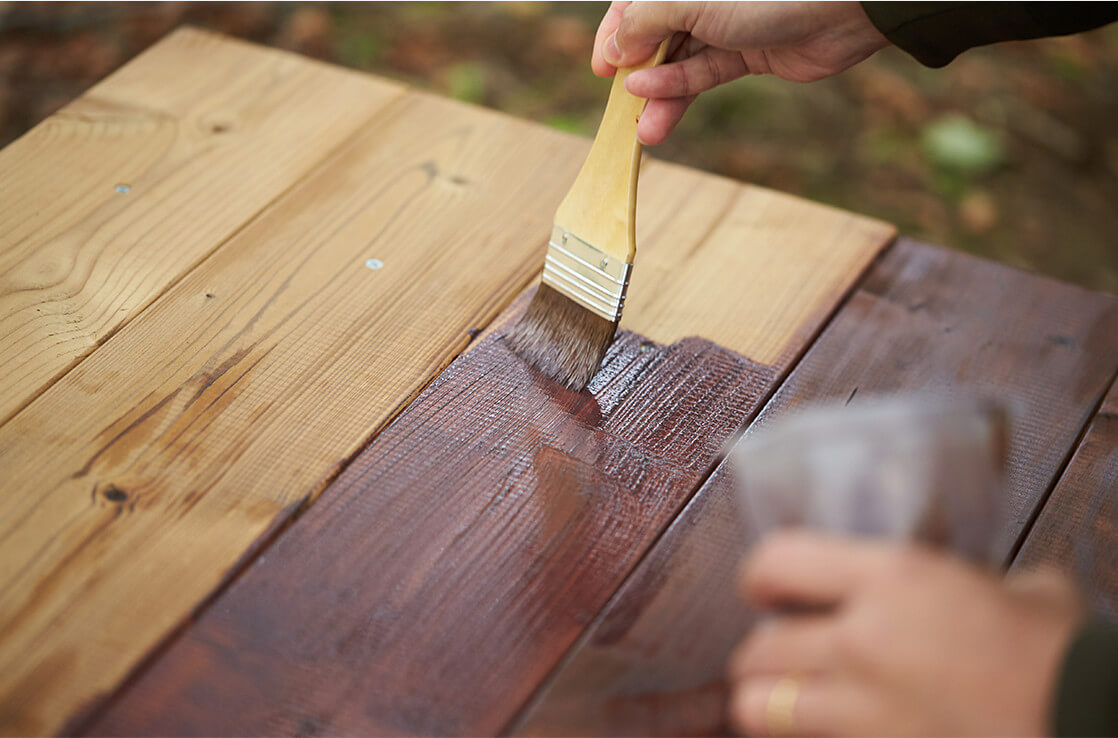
611,51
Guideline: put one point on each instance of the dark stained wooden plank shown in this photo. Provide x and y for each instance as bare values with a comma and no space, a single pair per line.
652,663
933,320
923,319
1077,529
456,560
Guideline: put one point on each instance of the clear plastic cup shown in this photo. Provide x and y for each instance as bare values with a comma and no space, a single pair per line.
900,469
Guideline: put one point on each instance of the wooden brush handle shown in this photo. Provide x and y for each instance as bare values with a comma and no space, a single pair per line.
601,206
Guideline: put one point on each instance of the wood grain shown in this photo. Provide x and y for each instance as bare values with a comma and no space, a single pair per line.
199,133
456,559
135,483
1077,529
923,319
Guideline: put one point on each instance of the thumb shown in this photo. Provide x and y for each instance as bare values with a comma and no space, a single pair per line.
643,26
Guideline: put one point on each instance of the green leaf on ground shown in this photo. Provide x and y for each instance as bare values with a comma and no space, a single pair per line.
958,144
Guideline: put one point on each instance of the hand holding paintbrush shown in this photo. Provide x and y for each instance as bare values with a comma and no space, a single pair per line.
572,319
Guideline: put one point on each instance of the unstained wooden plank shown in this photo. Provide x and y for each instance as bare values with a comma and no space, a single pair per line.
1077,529
924,319
759,283
456,559
120,193
134,484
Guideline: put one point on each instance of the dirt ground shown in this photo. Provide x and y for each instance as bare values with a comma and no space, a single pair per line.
1010,152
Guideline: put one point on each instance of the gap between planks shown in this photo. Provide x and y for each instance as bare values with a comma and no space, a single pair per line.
511,726
1011,558
112,108
1076,529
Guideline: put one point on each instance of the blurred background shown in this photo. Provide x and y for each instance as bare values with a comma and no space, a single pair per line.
1010,152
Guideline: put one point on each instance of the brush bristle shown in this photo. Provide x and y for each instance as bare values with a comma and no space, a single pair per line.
562,338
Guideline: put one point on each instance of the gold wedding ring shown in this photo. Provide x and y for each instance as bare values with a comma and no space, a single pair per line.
780,713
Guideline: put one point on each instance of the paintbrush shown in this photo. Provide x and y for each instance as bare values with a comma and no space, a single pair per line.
571,321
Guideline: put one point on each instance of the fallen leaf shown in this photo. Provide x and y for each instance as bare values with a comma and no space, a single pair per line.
955,142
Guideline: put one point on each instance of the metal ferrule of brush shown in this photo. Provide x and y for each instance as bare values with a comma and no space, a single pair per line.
585,274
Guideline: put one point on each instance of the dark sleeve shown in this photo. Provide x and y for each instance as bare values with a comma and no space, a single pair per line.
1087,694
935,33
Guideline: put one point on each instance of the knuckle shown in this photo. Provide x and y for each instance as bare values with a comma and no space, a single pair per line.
713,71
690,13
681,83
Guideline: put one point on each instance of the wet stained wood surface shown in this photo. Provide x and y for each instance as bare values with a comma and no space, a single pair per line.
924,319
1077,529
652,663
250,489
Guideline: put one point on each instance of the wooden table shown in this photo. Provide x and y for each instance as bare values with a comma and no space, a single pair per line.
269,469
